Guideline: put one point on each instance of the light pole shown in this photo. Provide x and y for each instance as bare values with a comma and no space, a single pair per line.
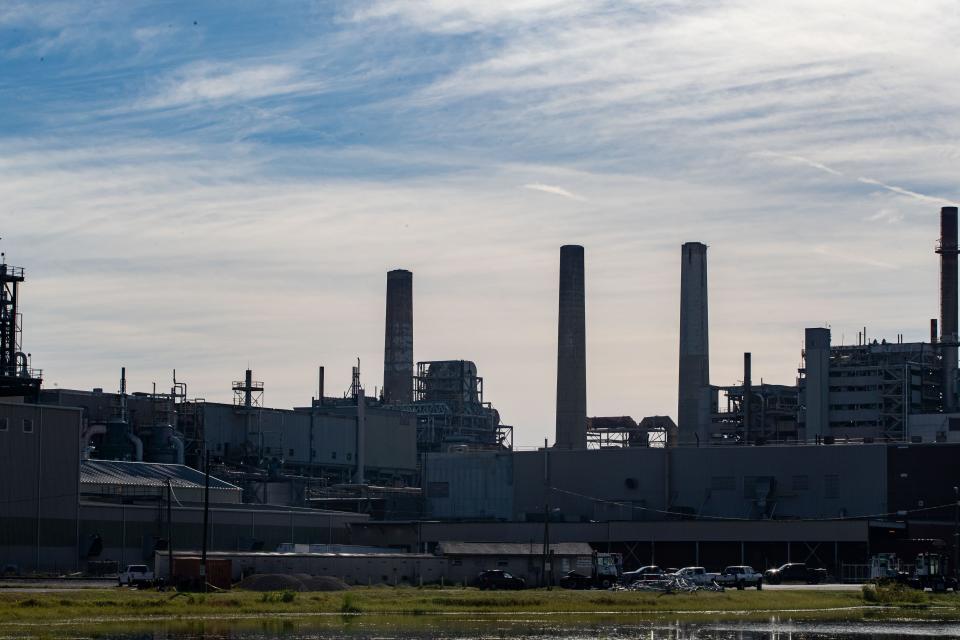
956,529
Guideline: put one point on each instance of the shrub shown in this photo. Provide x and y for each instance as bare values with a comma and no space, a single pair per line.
349,604
892,594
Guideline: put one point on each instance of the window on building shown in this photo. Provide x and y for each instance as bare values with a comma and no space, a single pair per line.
266,449
4,424
831,486
291,452
801,483
333,455
27,425
349,456
953,424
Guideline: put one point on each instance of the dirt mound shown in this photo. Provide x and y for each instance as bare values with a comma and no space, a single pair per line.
297,582
323,583
271,582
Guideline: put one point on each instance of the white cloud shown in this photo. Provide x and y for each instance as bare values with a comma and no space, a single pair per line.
558,191
202,83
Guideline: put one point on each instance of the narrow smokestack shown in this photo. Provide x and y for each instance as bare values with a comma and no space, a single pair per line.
248,388
361,470
693,410
948,304
571,353
816,363
398,342
747,397
933,331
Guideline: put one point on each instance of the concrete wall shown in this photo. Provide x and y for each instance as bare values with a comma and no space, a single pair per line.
479,484
391,438
129,532
641,483
39,477
608,484
808,481
362,569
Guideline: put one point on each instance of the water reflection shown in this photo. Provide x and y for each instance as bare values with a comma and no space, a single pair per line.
360,628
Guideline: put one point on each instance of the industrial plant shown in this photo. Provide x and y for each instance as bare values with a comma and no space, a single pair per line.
855,458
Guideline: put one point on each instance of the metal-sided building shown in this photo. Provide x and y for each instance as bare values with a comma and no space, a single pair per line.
39,486
523,560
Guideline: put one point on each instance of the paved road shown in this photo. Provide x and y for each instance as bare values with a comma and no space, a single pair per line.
813,587
27,585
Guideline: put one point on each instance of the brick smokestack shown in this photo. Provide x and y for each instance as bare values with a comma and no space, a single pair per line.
398,342
948,305
693,407
571,353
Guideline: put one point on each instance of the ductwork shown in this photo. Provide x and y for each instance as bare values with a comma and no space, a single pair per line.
137,445
178,445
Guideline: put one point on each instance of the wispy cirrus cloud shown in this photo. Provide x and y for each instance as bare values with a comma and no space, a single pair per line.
205,83
305,148
553,189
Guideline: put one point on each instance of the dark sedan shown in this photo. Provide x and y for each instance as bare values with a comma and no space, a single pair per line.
650,572
497,579
574,580
795,572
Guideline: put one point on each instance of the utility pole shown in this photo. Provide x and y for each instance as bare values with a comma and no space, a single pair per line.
169,533
546,517
956,530
206,521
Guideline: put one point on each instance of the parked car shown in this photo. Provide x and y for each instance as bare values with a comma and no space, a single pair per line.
697,575
649,572
136,575
498,579
741,577
795,572
575,580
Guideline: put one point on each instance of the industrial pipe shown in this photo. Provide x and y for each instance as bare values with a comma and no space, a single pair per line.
138,445
178,445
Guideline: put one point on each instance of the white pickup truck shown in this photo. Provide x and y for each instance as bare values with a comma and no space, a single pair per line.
740,576
697,575
136,575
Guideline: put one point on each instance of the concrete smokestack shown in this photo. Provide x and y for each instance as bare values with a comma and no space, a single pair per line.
816,362
693,407
398,342
948,305
571,353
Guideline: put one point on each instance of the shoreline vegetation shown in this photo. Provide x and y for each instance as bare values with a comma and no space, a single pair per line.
111,606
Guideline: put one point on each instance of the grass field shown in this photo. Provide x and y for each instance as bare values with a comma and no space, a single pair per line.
105,605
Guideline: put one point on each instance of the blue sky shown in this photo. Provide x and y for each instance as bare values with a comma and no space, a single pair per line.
204,186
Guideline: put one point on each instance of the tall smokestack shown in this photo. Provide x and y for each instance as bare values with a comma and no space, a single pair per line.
948,305
693,407
571,353
398,342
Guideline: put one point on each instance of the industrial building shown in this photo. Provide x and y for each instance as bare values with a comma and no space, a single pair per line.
855,455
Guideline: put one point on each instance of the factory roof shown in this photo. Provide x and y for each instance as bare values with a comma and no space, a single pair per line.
146,474
512,549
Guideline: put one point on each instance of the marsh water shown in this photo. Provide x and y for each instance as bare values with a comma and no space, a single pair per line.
532,629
